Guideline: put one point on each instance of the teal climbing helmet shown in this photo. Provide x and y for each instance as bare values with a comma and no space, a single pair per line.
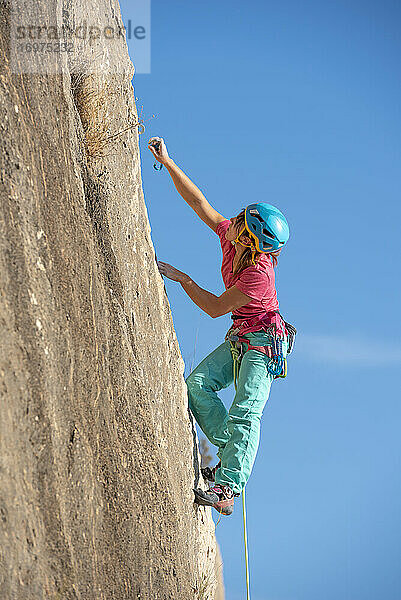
267,226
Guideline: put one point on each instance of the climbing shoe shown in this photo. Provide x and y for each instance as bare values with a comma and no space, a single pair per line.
209,473
221,497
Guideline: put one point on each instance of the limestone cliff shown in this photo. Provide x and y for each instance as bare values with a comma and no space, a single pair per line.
98,450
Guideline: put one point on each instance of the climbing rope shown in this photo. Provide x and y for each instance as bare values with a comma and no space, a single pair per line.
245,545
236,353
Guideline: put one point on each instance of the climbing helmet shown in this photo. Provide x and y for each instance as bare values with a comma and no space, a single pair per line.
266,226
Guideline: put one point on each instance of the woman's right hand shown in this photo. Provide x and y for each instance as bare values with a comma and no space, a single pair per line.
161,155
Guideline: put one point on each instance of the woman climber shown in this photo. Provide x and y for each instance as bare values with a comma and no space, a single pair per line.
257,342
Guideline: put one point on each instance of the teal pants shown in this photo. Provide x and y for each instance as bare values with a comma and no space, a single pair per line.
235,432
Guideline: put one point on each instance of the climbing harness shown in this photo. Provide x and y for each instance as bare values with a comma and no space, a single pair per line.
275,326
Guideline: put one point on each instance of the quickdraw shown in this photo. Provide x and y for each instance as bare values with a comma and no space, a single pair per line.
156,145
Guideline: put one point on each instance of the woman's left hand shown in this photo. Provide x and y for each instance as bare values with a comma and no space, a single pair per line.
171,272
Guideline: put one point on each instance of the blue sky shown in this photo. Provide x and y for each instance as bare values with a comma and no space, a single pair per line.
296,104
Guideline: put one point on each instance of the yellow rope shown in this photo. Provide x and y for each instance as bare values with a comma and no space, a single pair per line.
235,355
246,545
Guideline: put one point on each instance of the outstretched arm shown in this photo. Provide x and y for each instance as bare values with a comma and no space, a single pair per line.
185,187
214,306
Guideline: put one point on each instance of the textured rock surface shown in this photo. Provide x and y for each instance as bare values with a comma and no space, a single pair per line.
98,450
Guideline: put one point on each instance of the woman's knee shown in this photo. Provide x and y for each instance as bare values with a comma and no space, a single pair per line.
194,381
195,389
244,418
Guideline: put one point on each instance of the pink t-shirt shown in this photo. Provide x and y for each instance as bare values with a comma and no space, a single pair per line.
254,281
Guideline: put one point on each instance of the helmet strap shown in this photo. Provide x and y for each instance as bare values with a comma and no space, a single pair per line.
237,240
251,245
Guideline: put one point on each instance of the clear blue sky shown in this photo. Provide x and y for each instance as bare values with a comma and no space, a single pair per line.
296,104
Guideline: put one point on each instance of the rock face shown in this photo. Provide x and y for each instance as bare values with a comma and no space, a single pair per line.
98,450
